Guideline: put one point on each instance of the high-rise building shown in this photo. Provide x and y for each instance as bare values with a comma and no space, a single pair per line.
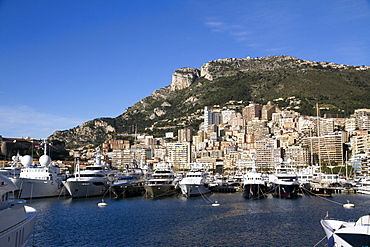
209,117
227,115
360,142
267,110
179,154
268,153
122,158
252,112
258,128
360,163
326,126
299,156
360,120
327,147
185,135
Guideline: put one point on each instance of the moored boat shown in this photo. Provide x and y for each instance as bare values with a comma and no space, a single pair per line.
254,185
285,182
129,184
163,181
17,220
93,181
347,234
195,182
364,186
38,181
223,187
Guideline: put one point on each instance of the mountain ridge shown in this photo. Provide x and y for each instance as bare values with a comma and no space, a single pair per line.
217,82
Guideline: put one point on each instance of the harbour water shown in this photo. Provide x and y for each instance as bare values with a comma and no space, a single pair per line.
179,221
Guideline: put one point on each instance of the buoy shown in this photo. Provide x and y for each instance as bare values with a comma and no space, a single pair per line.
102,203
215,204
349,205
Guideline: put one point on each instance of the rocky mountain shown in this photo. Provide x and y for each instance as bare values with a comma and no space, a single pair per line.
341,88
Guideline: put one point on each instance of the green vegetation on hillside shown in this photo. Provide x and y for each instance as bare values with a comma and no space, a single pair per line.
339,91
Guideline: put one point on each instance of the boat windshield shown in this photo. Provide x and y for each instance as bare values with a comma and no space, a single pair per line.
89,175
157,172
163,177
355,239
289,179
194,176
96,168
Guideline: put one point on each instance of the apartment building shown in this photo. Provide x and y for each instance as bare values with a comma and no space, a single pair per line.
116,144
252,112
298,155
125,157
185,135
268,153
360,142
179,154
327,147
268,110
259,129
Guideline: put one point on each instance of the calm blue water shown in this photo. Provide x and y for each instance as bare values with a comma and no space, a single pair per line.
178,221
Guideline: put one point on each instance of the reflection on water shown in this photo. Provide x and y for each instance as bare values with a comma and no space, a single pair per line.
179,221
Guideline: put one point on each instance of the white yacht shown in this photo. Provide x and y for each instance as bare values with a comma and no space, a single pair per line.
93,181
163,181
312,174
364,186
346,234
285,182
254,185
16,219
43,180
195,182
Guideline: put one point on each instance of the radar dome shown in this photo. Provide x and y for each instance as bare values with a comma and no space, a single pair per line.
26,160
45,160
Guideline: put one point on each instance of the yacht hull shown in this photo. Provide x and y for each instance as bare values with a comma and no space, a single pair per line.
224,188
37,188
288,191
348,236
193,189
361,191
127,190
159,190
85,188
254,191
18,235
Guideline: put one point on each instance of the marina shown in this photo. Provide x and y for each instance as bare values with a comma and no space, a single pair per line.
193,221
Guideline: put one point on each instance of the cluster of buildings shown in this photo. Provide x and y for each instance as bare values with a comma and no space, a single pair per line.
257,134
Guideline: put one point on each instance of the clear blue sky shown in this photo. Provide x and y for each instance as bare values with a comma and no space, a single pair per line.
63,63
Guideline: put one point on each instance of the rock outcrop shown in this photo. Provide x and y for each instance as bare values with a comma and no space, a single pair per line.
184,77
91,132
231,66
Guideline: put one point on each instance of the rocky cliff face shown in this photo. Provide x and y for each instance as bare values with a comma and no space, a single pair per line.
184,77
213,70
231,66
92,132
